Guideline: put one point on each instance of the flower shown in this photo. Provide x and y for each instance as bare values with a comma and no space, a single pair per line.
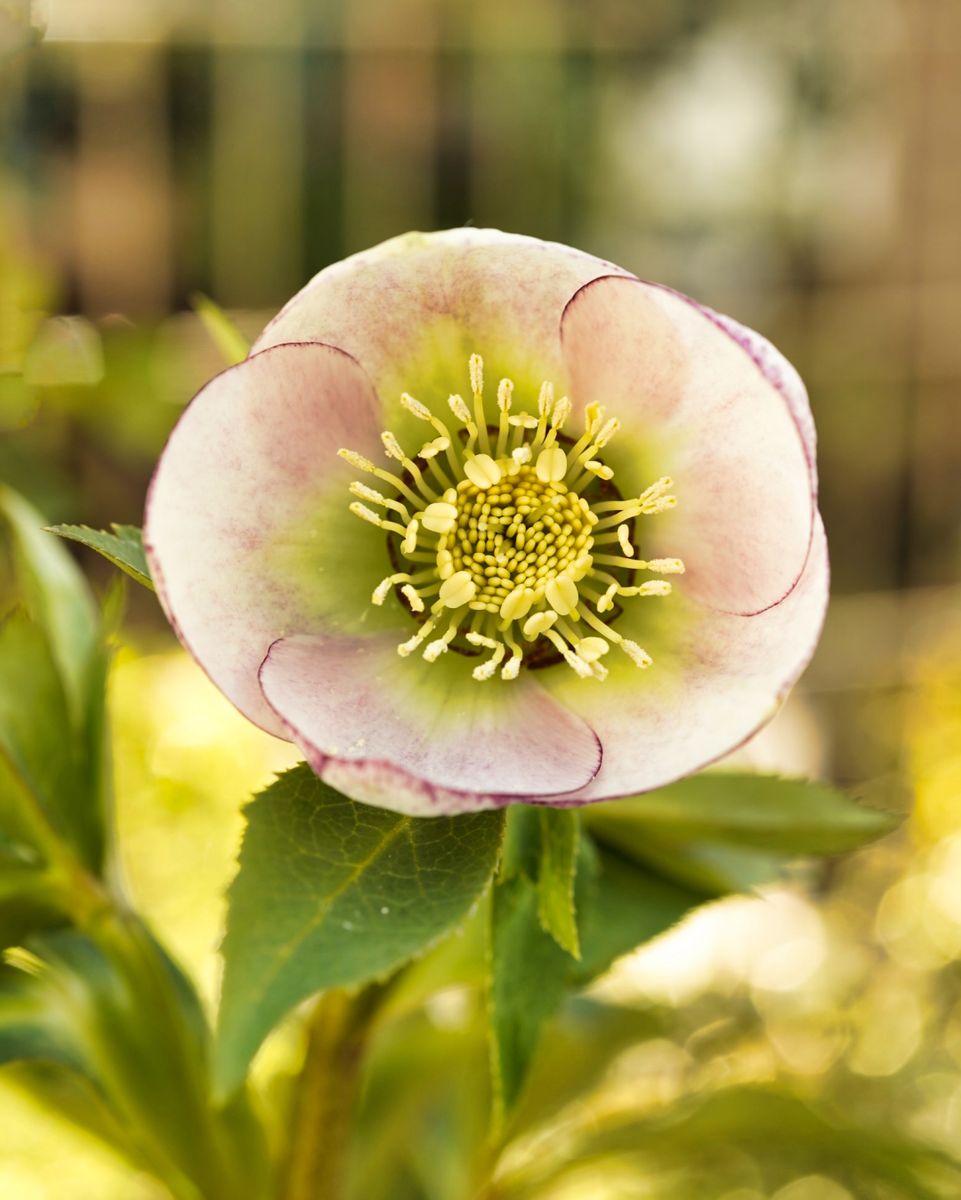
485,519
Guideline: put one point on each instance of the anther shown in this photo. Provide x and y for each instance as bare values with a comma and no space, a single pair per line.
551,466
459,409
624,537
382,590
413,599
601,470
439,517
433,650
476,369
576,663
606,432
606,602
516,604
433,448
482,470
537,624
562,410
479,639
366,493
661,504
639,657
512,667
421,411
545,399
408,647
366,514
458,590
592,648
356,460
561,594
487,669
409,544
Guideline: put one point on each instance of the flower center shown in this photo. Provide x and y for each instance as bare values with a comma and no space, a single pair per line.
512,540
518,533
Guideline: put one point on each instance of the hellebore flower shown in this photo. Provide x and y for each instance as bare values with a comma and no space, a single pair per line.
428,530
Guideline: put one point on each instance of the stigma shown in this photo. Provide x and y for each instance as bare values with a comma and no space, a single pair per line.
509,545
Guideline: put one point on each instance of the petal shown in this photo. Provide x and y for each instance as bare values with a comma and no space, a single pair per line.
422,738
714,682
699,401
247,531
777,370
413,309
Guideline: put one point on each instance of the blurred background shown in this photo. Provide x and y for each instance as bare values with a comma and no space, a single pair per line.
795,165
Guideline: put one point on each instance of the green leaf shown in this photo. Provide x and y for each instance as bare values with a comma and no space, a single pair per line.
70,716
113,1010
43,767
331,893
123,547
528,976
30,896
619,905
56,594
560,831
223,332
786,816
30,1027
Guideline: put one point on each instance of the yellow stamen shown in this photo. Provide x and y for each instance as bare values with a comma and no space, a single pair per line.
509,548
551,465
439,517
476,370
457,590
482,470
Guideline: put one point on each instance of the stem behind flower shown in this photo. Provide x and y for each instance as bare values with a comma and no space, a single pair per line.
326,1094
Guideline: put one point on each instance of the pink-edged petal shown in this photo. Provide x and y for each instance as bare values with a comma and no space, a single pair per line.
777,370
247,532
422,738
413,309
704,403
717,680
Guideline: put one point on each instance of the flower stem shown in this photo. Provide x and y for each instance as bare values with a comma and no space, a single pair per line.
326,1094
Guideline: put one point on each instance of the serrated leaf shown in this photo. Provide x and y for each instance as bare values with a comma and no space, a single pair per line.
528,976
331,893
786,816
223,332
619,905
710,869
560,830
123,547
57,595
